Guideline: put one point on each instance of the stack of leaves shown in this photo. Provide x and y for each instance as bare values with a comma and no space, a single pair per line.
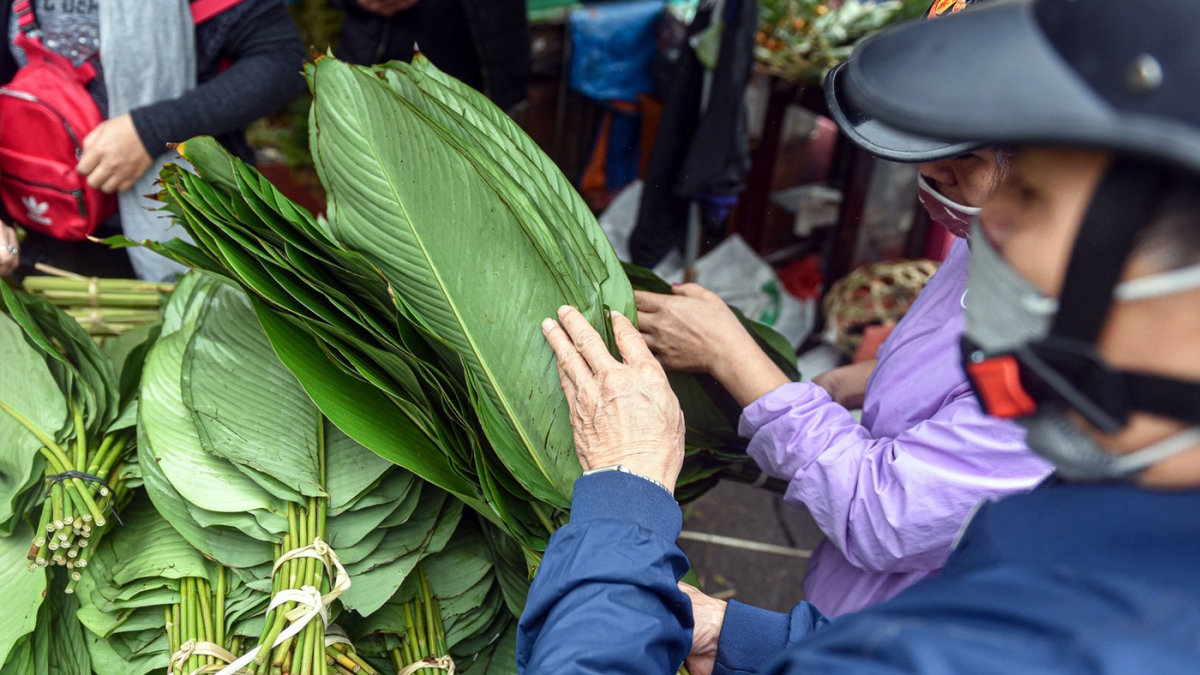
104,307
243,465
141,603
801,40
67,411
412,315
456,605
67,429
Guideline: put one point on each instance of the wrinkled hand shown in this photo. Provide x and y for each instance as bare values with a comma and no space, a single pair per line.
386,8
621,413
847,386
114,156
8,259
692,330
709,617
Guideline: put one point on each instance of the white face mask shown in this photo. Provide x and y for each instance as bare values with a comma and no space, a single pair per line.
1004,311
944,211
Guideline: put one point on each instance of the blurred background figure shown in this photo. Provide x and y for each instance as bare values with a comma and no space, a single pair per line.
484,43
164,72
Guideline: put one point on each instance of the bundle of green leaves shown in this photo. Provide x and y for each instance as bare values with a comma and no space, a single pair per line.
138,600
411,316
67,417
464,602
246,468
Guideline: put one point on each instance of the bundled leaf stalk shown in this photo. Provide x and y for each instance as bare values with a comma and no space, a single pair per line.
196,627
104,307
303,653
424,644
83,485
342,658
65,417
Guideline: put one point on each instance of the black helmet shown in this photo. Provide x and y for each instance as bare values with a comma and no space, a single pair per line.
1109,74
1112,75
878,138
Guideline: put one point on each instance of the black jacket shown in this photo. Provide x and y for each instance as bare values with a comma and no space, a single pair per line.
484,43
697,154
265,55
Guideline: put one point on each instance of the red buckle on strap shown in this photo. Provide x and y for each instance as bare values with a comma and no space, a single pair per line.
998,383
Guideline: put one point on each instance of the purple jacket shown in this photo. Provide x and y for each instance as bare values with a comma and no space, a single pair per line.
891,493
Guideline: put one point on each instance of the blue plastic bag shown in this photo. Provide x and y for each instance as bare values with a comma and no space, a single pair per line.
613,47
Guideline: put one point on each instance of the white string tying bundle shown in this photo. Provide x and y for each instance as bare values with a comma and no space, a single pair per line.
335,635
200,648
310,603
430,663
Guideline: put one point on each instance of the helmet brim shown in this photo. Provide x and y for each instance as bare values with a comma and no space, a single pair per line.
990,75
878,138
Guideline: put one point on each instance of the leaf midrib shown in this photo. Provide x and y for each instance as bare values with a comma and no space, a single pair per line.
459,318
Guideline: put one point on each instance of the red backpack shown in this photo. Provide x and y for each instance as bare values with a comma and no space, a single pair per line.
45,113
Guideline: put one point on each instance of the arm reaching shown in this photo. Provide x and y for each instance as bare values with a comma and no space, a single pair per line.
888,504
694,330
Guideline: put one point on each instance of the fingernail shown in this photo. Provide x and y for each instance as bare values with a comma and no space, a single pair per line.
676,283
562,311
614,312
547,325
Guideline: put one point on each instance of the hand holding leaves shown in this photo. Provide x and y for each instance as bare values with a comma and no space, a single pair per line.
621,413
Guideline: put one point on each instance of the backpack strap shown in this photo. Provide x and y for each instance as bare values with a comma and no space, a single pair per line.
203,10
30,38
26,21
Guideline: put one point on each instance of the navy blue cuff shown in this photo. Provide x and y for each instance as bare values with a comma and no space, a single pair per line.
613,495
751,638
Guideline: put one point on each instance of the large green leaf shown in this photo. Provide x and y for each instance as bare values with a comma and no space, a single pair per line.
106,660
377,577
362,412
498,658
353,471
197,476
23,590
171,557
247,407
387,199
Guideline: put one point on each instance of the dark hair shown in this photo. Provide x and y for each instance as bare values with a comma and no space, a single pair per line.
1005,154
1173,234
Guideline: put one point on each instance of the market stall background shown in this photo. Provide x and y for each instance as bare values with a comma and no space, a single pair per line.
424,577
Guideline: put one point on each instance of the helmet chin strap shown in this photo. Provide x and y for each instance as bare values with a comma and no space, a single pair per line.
1065,368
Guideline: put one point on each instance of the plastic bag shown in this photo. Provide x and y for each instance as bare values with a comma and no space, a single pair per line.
732,270
613,48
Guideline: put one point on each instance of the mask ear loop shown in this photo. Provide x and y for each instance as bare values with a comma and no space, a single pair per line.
1159,285
1138,461
924,185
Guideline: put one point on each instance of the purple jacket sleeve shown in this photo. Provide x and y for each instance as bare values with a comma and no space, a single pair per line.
888,504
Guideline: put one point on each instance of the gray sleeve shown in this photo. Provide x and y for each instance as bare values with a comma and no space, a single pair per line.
267,56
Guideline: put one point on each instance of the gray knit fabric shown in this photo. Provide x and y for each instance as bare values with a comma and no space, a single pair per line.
148,52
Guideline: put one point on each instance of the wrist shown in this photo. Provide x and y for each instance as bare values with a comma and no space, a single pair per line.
732,356
750,375
612,495
637,473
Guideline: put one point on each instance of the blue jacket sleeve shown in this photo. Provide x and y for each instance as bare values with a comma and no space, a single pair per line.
753,638
606,599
